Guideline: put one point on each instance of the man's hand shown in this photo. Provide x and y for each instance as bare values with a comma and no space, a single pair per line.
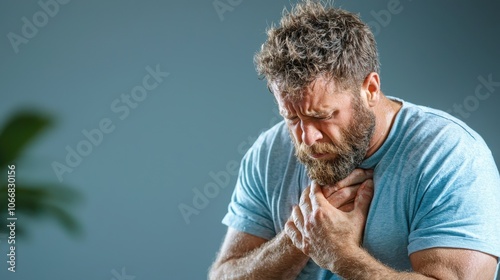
342,194
324,232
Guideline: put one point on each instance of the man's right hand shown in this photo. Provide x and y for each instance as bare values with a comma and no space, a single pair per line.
342,194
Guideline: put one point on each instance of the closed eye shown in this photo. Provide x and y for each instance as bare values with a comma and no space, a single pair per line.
293,119
325,118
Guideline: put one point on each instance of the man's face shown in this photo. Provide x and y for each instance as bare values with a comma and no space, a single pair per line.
331,130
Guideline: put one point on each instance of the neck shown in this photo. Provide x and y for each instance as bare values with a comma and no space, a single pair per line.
385,114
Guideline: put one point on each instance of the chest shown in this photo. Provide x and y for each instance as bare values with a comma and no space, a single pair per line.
388,223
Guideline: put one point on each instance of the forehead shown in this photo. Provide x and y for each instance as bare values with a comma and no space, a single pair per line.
318,98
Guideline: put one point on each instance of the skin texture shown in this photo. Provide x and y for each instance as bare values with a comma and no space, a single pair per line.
245,256
328,162
322,96
313,231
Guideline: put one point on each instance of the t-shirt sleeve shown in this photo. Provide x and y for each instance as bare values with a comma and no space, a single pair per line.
458,200
248,210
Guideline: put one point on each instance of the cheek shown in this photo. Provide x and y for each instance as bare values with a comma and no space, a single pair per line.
332,133
336,129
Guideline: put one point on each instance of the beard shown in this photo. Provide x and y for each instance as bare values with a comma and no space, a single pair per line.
347,154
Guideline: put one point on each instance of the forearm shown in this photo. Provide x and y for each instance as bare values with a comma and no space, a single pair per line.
275,259
361,265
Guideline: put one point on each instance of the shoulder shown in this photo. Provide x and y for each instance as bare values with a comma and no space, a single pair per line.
274,143
441,150
455,202
437,133
433,121
275,136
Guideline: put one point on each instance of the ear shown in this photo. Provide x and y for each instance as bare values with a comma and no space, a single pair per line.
371,89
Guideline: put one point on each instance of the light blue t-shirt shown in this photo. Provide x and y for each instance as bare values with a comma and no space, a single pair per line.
436,185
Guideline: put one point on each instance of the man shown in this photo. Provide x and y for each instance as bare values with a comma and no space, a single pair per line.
369,187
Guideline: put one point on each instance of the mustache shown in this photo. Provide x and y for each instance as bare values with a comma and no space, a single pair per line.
318,148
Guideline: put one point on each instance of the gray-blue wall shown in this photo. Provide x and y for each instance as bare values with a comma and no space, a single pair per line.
197,121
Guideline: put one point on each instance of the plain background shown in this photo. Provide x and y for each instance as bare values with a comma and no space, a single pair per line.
202,117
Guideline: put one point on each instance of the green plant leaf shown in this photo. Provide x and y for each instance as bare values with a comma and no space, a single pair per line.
19,131
44,201
40,200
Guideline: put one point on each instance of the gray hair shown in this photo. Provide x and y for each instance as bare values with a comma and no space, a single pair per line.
315,39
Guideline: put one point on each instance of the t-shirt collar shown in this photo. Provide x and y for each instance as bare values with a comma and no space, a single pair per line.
373,160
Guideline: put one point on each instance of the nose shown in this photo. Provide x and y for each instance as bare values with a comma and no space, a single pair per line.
310,134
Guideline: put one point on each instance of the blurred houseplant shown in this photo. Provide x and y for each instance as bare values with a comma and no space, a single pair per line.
34,200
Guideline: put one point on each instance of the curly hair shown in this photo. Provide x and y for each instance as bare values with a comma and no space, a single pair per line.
315,39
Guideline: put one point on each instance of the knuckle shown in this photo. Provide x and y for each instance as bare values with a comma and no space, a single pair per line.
318,214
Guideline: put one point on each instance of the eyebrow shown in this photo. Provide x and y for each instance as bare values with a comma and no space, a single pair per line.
319,114
312,115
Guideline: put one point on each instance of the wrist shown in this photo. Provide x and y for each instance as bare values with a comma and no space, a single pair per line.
292,249
357,263
346,258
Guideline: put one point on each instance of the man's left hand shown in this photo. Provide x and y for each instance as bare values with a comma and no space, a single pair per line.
324,232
